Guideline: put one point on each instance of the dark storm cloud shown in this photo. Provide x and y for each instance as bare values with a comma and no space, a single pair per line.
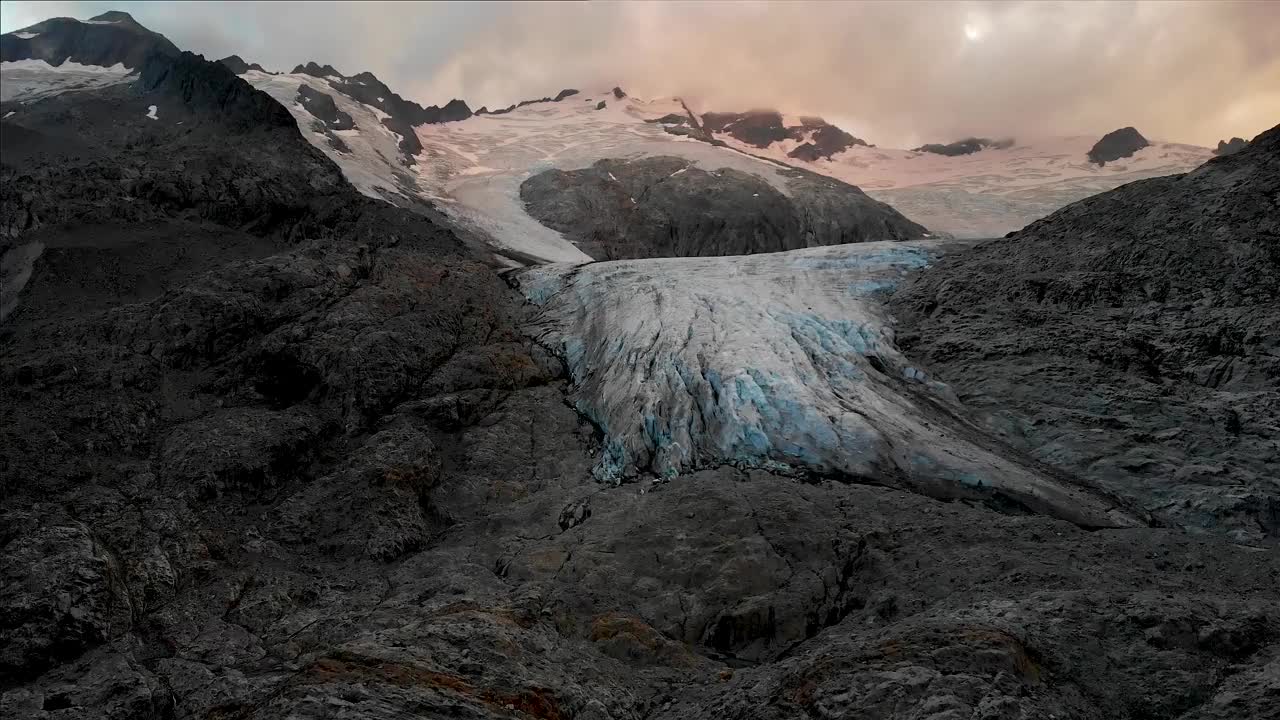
897,73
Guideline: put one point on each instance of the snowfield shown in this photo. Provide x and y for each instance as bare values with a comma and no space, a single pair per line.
783,361
990,192
27,80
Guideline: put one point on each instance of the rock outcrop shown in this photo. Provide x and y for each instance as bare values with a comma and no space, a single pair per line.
322,106
667,206
825,141
1117,144
968,146
1226,147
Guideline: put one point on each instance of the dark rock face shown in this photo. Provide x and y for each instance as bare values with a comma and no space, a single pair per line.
1160,294
671,119
320,71
108,39
212,89
1226,147
827,140
1117,144
237,65
567,92
323,107
665,206
968,146
760,128
600,105
618,93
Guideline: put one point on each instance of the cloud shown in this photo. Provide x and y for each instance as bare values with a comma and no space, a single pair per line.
896,73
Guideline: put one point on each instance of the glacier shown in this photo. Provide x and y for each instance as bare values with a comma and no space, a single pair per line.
783,361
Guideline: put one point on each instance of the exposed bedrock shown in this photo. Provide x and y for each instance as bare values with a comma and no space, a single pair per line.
1132,338
668,206
1116,145
324,109
968,146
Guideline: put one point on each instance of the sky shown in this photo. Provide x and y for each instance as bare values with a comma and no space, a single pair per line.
897,73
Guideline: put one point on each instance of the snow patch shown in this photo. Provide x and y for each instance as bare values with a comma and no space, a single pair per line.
25,35
151,112
10,114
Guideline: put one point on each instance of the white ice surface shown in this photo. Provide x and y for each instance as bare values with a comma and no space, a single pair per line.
783,361
28,80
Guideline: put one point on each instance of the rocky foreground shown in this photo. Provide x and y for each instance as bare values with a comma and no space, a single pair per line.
316,467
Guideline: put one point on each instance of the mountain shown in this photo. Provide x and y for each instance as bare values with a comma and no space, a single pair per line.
112,38
1163,291
1116,145
977,187
395,113
499,174
237,65
1226,147
286,440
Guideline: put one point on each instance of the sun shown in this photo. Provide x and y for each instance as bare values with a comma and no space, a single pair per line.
973,32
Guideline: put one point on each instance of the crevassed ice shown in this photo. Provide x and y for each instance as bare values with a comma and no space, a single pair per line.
783,361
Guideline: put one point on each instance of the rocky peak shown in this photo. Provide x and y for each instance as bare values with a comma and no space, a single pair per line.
762,128
1117,144
116,16
320,71
826,141
112,38
238,66
1235,144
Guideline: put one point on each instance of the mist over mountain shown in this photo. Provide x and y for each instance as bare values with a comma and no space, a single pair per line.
972,69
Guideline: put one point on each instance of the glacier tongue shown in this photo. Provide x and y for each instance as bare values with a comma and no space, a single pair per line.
783,361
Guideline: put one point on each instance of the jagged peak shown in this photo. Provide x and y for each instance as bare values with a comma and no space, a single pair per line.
114,16
311,68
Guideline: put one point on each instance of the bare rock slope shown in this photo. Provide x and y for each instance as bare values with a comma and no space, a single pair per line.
1131,338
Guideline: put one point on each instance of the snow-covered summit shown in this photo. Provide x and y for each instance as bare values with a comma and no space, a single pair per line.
991,191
